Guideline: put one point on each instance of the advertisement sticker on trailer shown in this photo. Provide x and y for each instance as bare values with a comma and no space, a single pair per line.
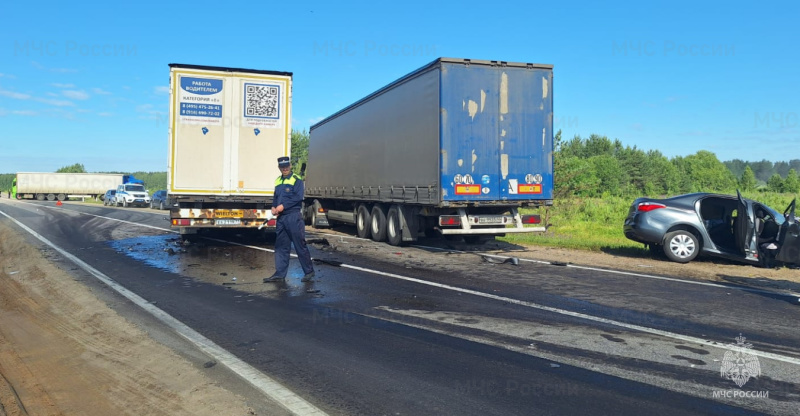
200,101
262,104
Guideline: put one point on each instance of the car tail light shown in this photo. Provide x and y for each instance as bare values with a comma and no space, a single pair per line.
531,219
449,220
649,206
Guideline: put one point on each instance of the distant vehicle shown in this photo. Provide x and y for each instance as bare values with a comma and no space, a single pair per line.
726,226
160,199
108,198
60,186
131,194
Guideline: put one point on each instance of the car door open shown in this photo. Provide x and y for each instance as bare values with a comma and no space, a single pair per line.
744,229
789,237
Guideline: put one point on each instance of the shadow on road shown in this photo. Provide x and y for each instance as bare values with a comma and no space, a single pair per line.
776,289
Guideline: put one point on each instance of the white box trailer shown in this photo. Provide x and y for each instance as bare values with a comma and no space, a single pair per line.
227,128
60,186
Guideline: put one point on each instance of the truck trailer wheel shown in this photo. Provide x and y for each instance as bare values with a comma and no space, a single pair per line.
51,197
394,230
363,221
61,197
378,224
40,197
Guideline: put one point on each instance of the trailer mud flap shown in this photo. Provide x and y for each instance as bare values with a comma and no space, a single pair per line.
409,223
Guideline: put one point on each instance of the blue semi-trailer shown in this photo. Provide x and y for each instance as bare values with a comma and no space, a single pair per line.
455,147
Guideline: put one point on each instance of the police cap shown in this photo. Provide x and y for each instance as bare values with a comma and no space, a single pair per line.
283,162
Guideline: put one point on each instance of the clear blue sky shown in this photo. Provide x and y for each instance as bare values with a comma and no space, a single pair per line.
87,83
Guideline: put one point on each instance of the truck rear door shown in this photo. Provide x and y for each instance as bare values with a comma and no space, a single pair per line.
496,132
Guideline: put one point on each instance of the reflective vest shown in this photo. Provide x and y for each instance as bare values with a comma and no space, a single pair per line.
286,181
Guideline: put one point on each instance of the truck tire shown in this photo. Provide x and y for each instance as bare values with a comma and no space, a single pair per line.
40,197
61,197
51,197
394,230
161,205
363,221
378,224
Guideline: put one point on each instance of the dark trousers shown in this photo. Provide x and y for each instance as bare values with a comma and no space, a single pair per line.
291,230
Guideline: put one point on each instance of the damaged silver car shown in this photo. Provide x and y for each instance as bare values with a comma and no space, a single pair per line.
727,226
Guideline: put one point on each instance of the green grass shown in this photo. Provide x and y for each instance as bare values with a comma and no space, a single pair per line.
595,224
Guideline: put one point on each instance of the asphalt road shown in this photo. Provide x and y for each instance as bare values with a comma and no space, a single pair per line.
420,330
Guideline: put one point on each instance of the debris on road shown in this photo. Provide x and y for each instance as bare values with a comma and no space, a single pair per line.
329,262
496,260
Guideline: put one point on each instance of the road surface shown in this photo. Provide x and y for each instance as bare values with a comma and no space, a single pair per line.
435,328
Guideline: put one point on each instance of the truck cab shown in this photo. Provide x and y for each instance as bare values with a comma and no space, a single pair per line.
131,194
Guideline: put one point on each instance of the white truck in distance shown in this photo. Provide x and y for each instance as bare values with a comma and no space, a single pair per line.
60,186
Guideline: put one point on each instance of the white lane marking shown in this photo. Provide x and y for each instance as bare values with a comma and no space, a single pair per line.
128,222
103,217
271,388
575,266
649,276
532,305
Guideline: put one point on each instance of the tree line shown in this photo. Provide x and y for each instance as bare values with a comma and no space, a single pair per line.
597,167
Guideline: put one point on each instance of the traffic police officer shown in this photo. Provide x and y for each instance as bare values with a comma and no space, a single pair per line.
290,229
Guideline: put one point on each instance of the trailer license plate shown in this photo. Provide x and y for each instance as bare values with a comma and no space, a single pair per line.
490,220
228,222
228,213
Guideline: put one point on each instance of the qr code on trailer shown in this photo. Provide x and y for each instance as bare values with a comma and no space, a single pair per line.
261,100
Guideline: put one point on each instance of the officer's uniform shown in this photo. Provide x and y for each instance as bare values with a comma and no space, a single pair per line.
290,228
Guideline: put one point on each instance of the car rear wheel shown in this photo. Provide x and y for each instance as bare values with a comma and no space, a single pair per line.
161,205
681,246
